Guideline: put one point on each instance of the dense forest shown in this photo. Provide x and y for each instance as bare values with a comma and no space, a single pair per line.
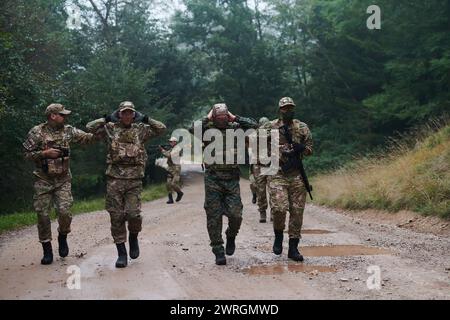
353,86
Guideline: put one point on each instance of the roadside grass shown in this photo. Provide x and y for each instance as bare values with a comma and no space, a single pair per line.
413,174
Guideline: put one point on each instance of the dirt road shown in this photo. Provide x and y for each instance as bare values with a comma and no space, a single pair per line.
176,261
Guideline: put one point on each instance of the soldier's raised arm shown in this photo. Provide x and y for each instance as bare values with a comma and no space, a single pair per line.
81,137
151,128
246,123
97,127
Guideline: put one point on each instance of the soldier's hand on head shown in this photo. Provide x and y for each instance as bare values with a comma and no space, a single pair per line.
210,114
231,117
140,117
113,117
51,153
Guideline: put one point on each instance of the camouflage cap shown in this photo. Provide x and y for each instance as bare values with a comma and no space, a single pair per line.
56,108
263,120
126,105
173,139
286,101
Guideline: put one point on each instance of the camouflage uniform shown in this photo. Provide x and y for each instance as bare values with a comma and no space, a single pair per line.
174,170
251,178
52,186
287,191
222,191
126,161
261,190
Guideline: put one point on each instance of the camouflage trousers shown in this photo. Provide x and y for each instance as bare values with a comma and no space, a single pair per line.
173,180
46,196
261,189
123,202
287,194
222,198
251,178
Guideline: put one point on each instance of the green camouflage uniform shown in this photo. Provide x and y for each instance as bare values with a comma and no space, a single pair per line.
222,191
251,178
261,191
126,161
52,186
174,170
286,190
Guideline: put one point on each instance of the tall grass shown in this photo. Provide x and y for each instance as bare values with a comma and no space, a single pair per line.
412,174
22,219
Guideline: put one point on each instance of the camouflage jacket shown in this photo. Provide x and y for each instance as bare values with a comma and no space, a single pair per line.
239,123
126,156
42,137
173,167
300,134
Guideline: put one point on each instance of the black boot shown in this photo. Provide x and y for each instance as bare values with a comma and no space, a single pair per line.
278,243
262,216
231,246
220,259
122,260
63,248
134,245
293,253
48,253
179,196
170,198
254,198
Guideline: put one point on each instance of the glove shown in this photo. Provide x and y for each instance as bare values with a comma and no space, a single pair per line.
140,117
298,147
113,117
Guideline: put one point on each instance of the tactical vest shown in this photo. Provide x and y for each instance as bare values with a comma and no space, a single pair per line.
125,147
57,139
222,167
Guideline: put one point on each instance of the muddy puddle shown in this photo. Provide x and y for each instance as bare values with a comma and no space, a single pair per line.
336,250
282,269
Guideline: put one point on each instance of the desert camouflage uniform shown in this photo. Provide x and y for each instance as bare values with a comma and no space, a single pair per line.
52,186
286,190
174,170
126,161
222,191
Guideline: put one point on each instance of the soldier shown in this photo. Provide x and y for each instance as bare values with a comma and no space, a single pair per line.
261,184
126,160
48,145
174,170
222,192
286,188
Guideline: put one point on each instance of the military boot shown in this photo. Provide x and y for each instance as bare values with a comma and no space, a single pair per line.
293,252
122,260
220,259
48,253
63,248
170,198
134,245
254,198
179,196
278,243
262,216
230,246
